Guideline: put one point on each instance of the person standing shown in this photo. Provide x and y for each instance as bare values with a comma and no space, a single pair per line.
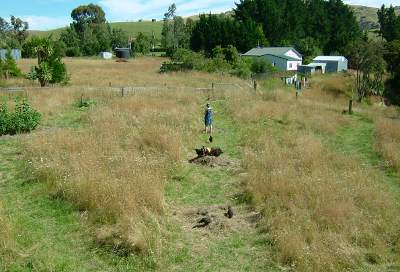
208,119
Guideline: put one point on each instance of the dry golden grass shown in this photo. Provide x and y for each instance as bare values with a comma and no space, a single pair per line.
388,140
142,71
116,166
323,211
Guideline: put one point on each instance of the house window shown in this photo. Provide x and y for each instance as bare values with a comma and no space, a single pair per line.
290,65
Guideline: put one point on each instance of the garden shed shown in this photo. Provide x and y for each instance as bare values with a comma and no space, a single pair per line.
15,53
334,64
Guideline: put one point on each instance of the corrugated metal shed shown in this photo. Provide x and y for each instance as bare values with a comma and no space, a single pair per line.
15,53
334,64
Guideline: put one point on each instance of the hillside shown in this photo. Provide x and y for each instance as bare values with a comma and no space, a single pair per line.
368,17
132,28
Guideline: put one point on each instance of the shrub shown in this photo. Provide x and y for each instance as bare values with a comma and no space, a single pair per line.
261,66
242,68
9,68
50,67
22,120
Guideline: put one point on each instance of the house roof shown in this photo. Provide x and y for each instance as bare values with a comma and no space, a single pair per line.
275,51
330,58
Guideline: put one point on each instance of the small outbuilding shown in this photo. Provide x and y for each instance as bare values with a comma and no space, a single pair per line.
334,64
15,54
312,68
283,58
106,55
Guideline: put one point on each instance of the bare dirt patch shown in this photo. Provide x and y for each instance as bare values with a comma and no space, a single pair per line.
213,162
192,219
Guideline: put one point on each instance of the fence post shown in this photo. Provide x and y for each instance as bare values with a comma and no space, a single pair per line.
122,91
255,85
351,106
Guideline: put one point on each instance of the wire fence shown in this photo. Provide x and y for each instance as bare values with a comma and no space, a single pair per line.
125,90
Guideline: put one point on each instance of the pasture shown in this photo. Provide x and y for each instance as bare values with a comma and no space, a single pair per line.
108,186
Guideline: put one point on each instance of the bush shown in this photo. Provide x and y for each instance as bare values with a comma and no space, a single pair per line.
22,120
9,68
261,66
50,67
242,68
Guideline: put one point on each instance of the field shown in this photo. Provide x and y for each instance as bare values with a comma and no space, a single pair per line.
108,187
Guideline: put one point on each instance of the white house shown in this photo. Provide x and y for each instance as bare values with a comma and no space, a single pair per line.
283,58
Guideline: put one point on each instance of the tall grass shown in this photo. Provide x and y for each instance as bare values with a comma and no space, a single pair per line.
116,166
322,211
388,140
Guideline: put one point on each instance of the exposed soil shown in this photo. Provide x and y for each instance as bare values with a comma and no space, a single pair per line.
243,220
210,161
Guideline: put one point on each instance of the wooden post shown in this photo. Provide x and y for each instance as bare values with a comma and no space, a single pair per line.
122,91
351,106
255,85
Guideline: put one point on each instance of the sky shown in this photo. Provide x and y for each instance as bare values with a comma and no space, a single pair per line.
50,14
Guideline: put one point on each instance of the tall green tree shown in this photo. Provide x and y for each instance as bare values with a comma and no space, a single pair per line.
176,32
390,23
213,30
142,44
89,33
368,62
14,33
331,24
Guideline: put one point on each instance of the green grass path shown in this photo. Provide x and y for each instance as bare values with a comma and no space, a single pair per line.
49,234
195,186
358,139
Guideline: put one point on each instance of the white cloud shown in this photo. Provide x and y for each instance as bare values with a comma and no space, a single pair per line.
45,22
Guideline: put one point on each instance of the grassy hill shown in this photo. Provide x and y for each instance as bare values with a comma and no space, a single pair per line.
132,28
368,17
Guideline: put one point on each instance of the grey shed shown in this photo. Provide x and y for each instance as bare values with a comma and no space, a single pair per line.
15,53
334,64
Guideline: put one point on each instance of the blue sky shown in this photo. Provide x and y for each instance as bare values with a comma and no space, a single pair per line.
49,14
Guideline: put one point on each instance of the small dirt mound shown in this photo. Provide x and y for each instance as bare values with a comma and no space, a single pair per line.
213,161
215,220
